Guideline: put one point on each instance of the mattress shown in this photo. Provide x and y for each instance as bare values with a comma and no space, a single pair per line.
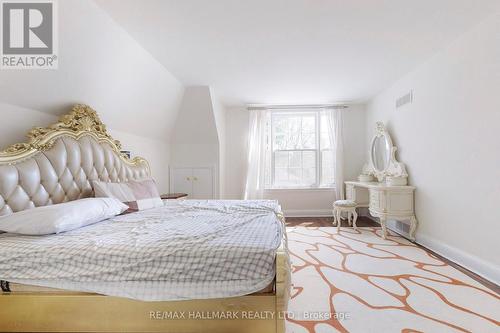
186,250
18,288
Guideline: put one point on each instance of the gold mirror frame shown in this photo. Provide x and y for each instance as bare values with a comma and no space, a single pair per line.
81,121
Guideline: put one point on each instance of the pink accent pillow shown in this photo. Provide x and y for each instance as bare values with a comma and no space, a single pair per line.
138,195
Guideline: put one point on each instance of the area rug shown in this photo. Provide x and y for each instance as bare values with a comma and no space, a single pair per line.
355,281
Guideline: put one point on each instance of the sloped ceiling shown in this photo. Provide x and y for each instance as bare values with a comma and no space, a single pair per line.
295,51
100,65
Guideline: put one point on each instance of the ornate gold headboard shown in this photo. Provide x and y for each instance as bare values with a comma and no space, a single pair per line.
58,163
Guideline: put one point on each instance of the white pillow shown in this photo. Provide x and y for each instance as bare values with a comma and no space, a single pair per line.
61,217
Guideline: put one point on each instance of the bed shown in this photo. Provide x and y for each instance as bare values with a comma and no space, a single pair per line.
242,276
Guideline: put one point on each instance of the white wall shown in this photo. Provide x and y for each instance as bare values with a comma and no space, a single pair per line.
195,122
449,140
236,151
17,121
294,202
155,151
355,148
220,122
194,155
195,138
99,65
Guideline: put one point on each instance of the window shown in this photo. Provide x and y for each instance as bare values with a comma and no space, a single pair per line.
300,152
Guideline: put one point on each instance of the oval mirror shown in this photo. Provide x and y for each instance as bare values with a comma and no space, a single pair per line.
381,153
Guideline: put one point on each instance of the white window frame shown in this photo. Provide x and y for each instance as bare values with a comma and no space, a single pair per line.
318,150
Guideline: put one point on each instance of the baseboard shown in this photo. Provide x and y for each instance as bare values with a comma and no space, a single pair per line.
399,227
487,270
307,212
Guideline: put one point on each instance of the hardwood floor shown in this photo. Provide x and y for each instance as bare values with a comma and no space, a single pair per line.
326,222
367,222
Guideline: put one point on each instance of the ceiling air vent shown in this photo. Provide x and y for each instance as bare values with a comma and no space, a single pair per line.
405,99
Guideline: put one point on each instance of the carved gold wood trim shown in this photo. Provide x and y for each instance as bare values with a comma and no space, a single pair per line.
81,121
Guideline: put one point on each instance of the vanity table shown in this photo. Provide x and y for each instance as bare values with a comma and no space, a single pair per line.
382,185
385,202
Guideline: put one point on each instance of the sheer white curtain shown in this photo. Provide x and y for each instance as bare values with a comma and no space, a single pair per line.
257,155
335,127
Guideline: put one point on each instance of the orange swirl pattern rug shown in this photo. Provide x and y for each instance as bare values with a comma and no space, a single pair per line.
356,281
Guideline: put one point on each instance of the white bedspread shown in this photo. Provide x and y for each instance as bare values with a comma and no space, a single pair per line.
185,250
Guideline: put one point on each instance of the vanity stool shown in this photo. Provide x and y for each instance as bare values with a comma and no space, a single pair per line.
348,206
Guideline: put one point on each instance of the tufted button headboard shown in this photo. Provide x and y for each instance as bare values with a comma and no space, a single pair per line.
59,163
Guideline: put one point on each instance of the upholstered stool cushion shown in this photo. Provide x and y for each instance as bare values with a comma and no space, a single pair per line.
344,203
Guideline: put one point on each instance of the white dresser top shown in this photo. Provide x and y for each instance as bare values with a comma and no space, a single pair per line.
380,185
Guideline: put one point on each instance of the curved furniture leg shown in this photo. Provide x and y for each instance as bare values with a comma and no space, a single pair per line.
383,220
354,218
339,221
350,217
334,216
413,227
